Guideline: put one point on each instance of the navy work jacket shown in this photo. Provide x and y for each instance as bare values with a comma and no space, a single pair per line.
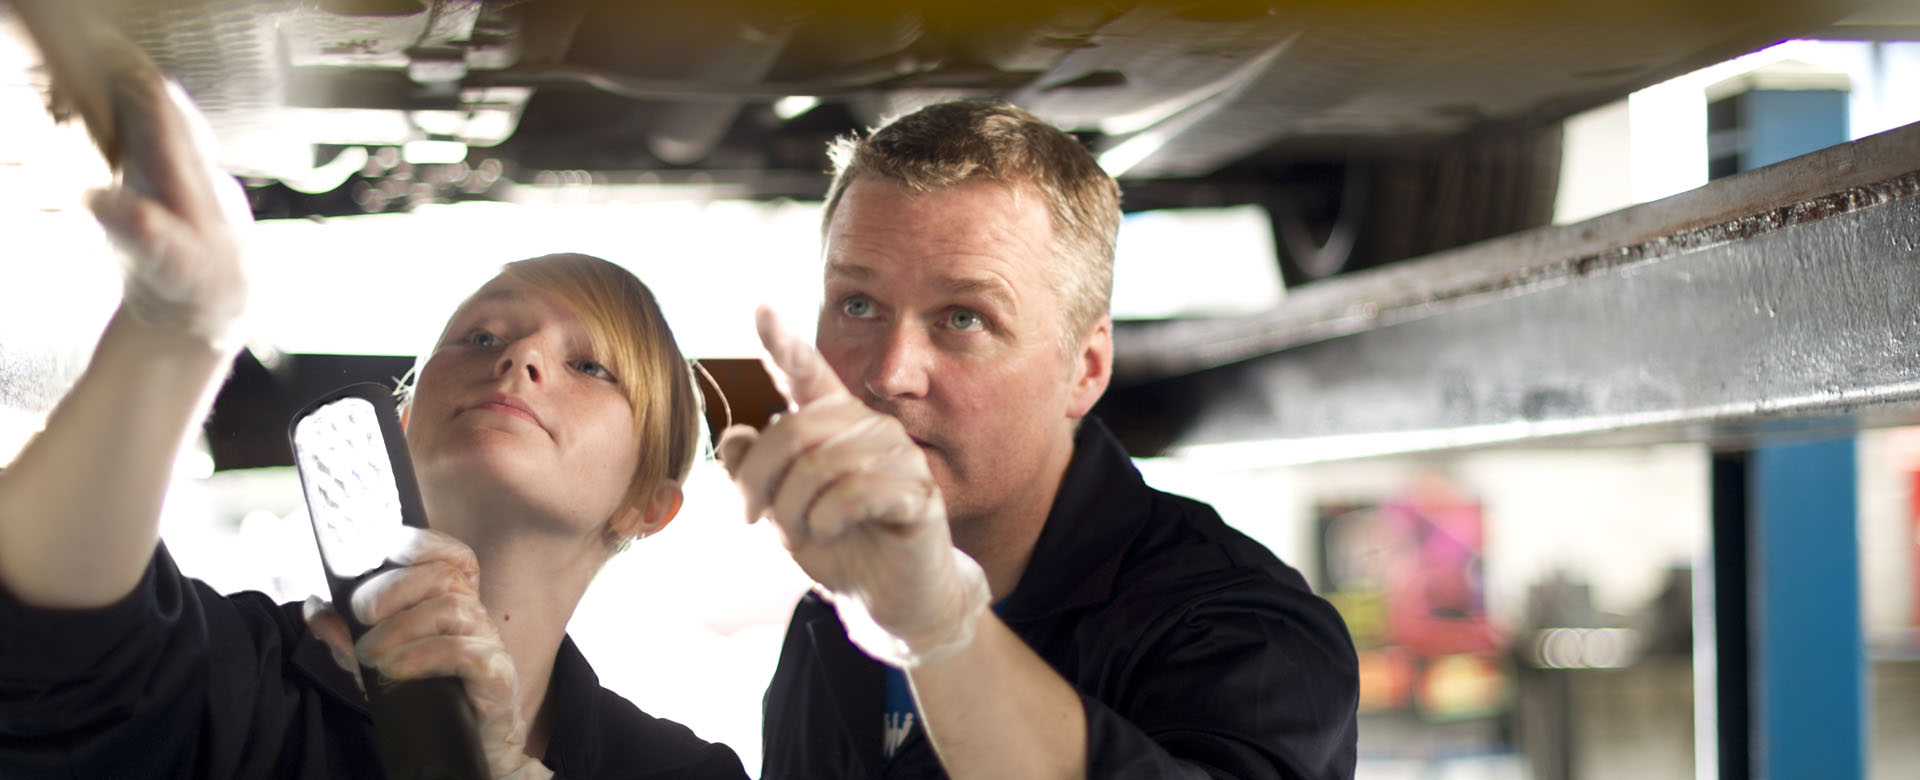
179,681
1195,651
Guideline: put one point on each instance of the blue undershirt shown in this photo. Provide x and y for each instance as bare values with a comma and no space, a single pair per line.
901,714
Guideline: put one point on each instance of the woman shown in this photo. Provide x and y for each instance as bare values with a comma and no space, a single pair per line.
552,424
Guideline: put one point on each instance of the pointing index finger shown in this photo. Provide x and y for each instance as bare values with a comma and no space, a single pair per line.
796,367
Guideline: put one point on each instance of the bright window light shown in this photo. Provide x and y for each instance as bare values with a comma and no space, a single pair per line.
793,106
709,264
17,427
1669,120
1195,263
433,152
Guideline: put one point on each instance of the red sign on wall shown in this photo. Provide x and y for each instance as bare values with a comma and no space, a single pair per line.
1913,510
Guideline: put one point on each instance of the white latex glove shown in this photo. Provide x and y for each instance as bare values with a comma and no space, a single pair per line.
858,508
176,218
425,619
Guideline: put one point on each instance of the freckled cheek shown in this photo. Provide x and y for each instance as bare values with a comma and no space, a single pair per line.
602,465
422,410
431,405
611,445
430,385
413,431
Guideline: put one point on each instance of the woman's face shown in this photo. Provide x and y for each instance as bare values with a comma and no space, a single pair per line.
514,414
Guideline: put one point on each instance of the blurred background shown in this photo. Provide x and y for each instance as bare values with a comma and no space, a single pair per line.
1570,350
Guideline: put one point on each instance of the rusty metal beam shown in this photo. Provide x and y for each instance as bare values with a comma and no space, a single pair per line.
1758,303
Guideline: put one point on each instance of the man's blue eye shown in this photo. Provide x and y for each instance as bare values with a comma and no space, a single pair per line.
857,307
964,319
481,338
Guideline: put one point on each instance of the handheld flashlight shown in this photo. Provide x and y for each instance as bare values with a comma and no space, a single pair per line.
360,490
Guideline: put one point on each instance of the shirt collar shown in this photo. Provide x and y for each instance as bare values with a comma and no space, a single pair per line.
312,658
1102,504
573,691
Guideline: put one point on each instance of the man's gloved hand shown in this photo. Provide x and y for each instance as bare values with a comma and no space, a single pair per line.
858,508
425,620
175,217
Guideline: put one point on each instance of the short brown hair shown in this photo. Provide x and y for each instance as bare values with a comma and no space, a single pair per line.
947,144
630,335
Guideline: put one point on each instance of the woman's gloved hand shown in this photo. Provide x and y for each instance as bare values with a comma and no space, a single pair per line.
425,619
176,218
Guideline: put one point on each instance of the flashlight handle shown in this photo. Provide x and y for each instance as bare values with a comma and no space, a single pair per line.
424,728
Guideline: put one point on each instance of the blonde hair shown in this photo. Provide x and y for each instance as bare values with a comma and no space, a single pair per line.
631,337
948,144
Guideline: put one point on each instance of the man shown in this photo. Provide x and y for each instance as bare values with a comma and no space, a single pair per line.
939,459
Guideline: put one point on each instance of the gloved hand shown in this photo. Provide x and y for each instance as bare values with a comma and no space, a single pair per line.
175,217
858,508
425,619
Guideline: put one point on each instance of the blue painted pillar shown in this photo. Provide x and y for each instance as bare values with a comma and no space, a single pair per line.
1808,656
1788,657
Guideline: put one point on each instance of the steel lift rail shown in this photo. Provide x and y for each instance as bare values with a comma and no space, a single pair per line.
1770,314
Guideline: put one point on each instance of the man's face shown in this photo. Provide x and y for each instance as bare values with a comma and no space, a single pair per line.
938,312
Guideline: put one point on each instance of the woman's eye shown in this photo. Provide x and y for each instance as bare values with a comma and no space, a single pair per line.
481,338
965,319
858,307
592,369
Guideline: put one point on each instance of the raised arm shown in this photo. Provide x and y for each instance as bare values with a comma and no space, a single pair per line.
80,505
857,507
